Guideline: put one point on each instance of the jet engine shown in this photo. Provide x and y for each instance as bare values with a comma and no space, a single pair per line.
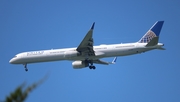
80,64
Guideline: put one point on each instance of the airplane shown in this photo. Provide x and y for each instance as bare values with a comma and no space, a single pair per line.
86,54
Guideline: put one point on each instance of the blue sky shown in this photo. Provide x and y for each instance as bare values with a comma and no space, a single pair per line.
41,24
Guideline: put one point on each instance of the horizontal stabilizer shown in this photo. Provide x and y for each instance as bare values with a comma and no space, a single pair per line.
161,48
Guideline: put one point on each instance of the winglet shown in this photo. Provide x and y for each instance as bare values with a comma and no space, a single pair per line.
114,60
93,26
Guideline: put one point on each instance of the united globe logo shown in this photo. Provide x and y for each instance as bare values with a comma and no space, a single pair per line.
148,37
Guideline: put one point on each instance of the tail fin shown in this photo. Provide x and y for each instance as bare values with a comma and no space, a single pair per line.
152,36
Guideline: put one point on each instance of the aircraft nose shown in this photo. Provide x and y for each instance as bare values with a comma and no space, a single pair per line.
11,61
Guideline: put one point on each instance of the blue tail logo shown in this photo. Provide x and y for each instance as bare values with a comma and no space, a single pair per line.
153,32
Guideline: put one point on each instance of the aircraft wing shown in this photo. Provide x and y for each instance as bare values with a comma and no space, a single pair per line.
104,62
86,46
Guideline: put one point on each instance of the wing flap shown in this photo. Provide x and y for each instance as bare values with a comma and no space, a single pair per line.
100,62
104,62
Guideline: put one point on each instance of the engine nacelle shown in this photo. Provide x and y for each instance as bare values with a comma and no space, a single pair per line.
79,64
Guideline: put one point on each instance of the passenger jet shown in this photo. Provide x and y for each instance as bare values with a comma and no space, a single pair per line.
86,54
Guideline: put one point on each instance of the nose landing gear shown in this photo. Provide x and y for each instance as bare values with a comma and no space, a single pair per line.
25,66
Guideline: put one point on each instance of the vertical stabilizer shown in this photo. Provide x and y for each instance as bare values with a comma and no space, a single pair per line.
152,36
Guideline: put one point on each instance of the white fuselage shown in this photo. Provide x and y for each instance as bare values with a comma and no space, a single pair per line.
101,51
